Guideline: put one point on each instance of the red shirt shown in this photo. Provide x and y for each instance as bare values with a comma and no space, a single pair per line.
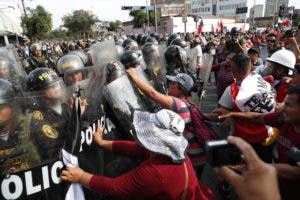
155,178
288,137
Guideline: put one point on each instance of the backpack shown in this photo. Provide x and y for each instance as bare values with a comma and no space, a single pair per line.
201,130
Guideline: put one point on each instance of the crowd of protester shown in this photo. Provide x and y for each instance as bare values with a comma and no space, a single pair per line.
257,84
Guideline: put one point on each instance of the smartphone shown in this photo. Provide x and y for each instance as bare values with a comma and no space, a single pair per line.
221,152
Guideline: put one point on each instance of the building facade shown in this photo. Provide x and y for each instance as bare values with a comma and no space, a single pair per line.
256,11
272,6
220,8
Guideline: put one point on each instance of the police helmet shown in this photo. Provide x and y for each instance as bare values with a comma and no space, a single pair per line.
179,42
82,54
7,92
172,37
149,51
139,37
126,42
132,45
151,39
234,32
142,42
130,58
36,47
175,56
41,78
114,71
69,63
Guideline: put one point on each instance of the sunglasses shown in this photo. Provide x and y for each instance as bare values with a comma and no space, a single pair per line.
271,41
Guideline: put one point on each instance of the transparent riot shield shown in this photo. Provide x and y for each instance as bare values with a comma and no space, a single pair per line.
123,97
30,147
155,66
204,72
11,68
103,52
99,111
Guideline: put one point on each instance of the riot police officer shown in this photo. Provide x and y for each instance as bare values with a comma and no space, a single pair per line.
71,67
16,152
37,59
50,116
176,60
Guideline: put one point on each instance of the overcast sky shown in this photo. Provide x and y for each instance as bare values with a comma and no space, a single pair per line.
104,9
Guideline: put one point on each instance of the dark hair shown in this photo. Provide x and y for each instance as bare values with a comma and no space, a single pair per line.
242,63
294,90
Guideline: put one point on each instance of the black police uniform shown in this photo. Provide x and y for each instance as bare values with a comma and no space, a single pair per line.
47,128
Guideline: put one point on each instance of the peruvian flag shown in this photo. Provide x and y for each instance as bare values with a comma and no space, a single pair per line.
200,27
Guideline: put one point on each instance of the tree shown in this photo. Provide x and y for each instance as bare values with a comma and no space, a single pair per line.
114,26
37,24
79,22
140,17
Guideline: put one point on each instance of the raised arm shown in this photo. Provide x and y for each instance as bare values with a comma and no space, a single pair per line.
149,91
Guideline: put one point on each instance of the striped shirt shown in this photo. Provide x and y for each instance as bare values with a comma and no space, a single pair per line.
195,150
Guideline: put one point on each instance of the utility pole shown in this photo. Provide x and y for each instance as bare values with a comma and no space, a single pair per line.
147,17
155,17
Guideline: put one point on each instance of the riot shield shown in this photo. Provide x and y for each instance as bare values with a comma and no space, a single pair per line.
155,63
30,149
103,53
11,68
204,72
123,97
99,111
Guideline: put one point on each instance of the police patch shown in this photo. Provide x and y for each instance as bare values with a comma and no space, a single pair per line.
49,132
37,115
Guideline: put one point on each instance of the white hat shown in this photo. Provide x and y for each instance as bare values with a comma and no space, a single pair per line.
284,57
161,133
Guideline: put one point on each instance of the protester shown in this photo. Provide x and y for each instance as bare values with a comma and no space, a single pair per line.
243,95
287,121
161,146
179,89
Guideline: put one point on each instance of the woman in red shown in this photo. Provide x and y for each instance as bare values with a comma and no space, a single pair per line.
166,172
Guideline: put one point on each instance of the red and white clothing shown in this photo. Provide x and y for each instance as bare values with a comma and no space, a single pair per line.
253,95
155,178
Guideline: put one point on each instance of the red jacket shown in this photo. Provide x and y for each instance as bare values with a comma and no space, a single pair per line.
155,178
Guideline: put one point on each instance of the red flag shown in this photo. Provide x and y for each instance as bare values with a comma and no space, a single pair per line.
221,26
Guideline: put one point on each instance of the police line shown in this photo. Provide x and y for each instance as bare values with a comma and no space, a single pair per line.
31,184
